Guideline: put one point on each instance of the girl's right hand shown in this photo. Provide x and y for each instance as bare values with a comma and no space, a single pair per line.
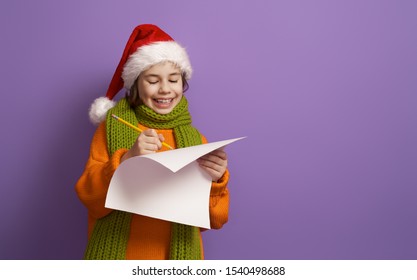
148,142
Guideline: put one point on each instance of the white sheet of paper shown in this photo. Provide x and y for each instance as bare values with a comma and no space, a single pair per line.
168,185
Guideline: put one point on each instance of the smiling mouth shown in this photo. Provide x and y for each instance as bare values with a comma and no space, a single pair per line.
163,101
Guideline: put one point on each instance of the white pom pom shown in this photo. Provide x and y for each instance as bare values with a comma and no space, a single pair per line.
99,108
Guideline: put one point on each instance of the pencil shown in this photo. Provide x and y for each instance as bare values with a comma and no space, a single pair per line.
136,128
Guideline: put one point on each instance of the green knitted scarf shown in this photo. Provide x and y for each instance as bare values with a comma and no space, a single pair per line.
109,237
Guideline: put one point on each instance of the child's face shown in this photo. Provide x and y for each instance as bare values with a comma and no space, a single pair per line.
160,87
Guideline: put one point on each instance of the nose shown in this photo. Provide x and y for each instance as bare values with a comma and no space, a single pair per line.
165,88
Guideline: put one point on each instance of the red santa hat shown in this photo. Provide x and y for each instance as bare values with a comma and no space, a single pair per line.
147,45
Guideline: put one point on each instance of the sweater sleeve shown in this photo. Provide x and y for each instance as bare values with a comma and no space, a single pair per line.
219,200
94,182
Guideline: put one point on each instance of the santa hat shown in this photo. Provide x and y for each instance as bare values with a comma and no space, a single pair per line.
147,45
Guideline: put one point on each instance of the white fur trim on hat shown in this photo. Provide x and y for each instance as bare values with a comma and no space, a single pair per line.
99,108
149,55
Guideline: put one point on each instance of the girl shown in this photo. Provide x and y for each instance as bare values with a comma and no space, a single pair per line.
154,69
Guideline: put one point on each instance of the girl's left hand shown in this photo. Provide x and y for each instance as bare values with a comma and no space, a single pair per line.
214,163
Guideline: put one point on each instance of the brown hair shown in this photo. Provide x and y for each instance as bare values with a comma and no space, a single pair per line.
133,98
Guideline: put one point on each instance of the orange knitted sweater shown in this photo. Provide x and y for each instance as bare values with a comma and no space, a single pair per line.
149,238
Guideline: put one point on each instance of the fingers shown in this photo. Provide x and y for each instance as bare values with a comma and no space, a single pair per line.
150,141
219,153
147,142
215,158
215,163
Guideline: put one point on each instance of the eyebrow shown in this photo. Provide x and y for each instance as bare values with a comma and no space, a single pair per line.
157,76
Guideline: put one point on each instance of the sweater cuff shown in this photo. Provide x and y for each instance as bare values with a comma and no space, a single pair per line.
114,163
217,188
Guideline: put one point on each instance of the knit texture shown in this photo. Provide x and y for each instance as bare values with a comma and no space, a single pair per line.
109,237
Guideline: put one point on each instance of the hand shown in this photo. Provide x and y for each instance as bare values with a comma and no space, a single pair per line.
214,163
148,142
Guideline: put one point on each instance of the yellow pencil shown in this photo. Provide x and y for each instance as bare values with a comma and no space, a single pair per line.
136,128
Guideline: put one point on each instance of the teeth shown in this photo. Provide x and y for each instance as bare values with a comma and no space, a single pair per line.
165,101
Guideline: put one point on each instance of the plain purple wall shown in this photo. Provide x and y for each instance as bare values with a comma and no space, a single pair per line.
326,92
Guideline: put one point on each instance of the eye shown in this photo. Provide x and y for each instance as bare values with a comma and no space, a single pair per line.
173,81
153,82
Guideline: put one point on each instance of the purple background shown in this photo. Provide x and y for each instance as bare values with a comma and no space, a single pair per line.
326,92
